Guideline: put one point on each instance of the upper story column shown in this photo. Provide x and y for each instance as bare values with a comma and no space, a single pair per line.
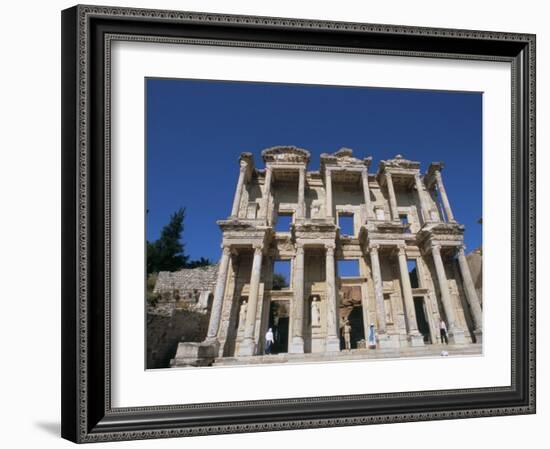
301,192
423,206
393,199
328,193
366,191
267,191
216,313
444,198
245,165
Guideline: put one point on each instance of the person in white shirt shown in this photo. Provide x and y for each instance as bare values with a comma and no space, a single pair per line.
269,341
443,331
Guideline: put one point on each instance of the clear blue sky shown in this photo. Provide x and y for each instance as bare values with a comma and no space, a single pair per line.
197,129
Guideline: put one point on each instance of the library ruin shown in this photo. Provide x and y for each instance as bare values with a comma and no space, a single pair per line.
325,258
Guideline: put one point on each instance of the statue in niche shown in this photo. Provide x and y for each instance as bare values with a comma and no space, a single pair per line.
242,313
315,312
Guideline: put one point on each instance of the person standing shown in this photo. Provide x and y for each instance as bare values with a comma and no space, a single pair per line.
269,341
443,331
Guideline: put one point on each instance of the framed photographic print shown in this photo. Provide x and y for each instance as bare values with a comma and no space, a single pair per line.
276,224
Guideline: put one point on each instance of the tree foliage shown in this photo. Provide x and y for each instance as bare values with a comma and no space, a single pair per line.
168,252
279,281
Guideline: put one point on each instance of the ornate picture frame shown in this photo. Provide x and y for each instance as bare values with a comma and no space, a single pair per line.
87,411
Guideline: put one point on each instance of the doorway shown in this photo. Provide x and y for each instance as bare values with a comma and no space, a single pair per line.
421,319
357,332
278,322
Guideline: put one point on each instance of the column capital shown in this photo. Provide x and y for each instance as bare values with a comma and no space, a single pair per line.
299,248
258,248
436,249
460,249
373,248
330,247
226,249
401,249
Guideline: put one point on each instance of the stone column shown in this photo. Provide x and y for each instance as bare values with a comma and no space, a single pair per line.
423,207
301,193
267,192
471,294
366,192
378,289
393,200
297,343
444,198
216,312
248,345
333,339
328,193
415,338
456,335
239,190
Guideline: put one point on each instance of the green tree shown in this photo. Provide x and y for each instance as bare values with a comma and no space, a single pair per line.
202,262
167,253
279,281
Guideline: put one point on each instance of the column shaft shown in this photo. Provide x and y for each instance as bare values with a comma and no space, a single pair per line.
239,191
378,290
217,303
333,340
444,288
297,344
393,200
328,193
267,192
444,197
301,193
423,206
407,293
469,287
366,192
248,346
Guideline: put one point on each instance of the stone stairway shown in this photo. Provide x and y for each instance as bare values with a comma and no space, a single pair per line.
428,351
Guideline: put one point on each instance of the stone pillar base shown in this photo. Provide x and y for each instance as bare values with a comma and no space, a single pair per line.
196,354
457,337
478,334
296,346
416,340
247,348
386,341
333,344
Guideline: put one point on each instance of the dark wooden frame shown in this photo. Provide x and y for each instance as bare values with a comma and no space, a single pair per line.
87,32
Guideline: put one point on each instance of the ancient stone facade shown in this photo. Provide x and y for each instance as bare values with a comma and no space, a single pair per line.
405,241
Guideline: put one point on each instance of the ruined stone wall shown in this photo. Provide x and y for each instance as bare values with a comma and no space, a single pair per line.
188,282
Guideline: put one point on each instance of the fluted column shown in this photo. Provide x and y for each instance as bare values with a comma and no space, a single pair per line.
471,294
217,303
392,198
333,340
328,193
239,190
301,192
266,192
415,337
248,346
297,344
423,206
456,334
444,198
366,192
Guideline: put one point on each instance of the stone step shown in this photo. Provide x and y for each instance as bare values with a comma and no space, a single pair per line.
430,351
